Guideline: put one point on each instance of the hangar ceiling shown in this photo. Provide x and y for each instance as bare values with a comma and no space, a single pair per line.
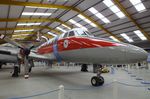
114,19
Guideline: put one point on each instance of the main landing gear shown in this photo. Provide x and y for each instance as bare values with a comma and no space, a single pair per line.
97,81
84,68
16,71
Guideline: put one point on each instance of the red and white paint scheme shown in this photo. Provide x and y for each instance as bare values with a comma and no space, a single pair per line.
78,45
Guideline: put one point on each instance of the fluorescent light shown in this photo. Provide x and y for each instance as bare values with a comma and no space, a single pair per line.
114,8
86,20
113,38
39,7
126,37
108,2
120,14
99,15
138,5
66,26
20,35
24,30
105,20
140,35
61,29
52,34
36,14
28,24
93,10
77,24
134,2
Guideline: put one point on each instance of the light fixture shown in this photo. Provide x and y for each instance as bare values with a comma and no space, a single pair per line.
138,5
126,37
35,14
23,30
66,26
140,35
86,20
40,7
52,34
99,15
113,38
114,8
61,29
27,24
77,24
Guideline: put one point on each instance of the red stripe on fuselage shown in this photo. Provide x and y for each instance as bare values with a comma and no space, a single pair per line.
76,43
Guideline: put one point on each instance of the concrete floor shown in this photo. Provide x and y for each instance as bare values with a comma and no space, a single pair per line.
45,79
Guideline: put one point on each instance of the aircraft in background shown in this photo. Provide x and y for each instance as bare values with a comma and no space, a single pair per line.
78,45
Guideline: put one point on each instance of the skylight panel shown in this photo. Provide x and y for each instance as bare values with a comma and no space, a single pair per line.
66,26
27,24
93,10
126,37
86,20
108,2
113,38
77,24
140,35
39,7
35,14
99,15
114,8
61,29
120,14
52,34
24,30
138,5
105,20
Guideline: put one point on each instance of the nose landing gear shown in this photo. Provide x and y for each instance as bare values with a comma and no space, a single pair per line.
97,81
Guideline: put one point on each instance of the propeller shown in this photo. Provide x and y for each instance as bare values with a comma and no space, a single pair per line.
24,51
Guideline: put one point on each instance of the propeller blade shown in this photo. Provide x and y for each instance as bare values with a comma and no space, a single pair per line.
8,40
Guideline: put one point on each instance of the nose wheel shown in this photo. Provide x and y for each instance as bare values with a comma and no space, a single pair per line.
97,81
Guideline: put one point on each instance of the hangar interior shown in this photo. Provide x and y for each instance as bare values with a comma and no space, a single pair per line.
127,21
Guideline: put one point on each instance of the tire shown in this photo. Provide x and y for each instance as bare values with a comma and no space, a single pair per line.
100,81
94,81
97,81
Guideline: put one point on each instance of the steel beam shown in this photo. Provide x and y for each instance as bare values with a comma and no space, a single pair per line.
131,18
34,20
19,3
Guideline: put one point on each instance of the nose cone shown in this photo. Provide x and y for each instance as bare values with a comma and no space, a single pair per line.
136,54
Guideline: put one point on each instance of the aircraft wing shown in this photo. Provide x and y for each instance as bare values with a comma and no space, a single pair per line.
6,53
8,40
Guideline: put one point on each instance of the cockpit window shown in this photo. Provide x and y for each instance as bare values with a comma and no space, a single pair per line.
65,35
71,33
88,33
80,32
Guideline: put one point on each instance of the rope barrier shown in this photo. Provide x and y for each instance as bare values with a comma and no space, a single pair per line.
132,85
74,89
40,94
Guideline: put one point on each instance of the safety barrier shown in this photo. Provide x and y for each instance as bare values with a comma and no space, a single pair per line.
61,89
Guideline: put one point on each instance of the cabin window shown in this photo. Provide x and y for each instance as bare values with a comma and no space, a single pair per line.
71,33
66,34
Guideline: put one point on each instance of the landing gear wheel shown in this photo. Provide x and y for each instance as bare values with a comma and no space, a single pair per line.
97,81
16,72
